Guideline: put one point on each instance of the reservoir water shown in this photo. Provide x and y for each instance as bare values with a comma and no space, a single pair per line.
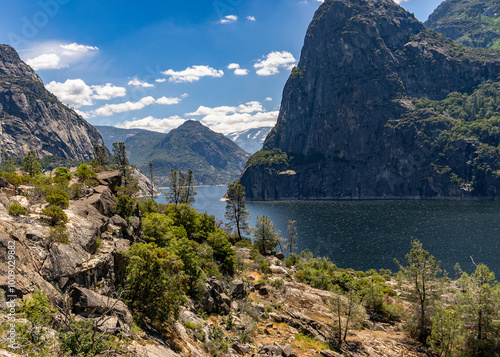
369,234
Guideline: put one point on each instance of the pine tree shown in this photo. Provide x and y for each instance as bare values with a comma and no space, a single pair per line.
188,193
31,165
236,211
266,238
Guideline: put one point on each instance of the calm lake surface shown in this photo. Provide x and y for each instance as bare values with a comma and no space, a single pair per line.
370,234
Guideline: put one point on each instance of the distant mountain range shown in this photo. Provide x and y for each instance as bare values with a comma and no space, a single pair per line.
250,140
32,118
214,159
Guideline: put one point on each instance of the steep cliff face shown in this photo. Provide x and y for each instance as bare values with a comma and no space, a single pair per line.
362,62
31,118
474,23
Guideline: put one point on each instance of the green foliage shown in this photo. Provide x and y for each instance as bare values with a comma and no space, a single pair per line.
91,182
124,205
62,175
157,229
223,252
9,165
81,338
180,188
13,179
31,165
57,234
155,283
479,306
33,336
148,206
265,238
84,172
271,159
55,215
59,198
100,157
15,209
76,191
460,128
421,274
236,211
446,332
291,243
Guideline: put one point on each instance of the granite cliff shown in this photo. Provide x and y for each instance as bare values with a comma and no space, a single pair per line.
32,118
350,126
474,23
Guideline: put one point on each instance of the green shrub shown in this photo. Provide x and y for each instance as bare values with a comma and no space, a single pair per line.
58,198
244,243
55,215
76,191
62,175
148,206
13,179
124,205
91,182
15,209
155,283
224,253
84,172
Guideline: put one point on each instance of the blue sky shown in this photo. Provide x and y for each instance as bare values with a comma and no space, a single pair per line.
154,64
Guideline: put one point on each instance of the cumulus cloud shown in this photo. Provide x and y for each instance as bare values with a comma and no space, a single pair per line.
108,92
46,61
399,2
73,92
160,80
268,99
77,93
110,109
138,83
237,70
192,74
271,64
54,55
251,18
154,124
229,19
227,119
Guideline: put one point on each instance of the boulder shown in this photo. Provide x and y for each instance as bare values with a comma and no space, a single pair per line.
242,348
112,179
237,289
88,303
4,183
328,353
280,255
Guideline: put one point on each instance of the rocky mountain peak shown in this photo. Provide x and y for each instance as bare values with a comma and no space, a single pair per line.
11,65
32,118
361,64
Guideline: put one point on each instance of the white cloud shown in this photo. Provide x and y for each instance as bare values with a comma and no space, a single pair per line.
138,83
77,93
241,72
229,19
108,92
273,62
161,80
192,74
168,101
251,18
227,119
110,109
54,55
399,2
268,99
185,95
237,70
154,124
46,61
74,49
73,92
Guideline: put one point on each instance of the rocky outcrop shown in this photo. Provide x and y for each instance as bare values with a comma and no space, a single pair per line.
362,62
469,22
32,118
